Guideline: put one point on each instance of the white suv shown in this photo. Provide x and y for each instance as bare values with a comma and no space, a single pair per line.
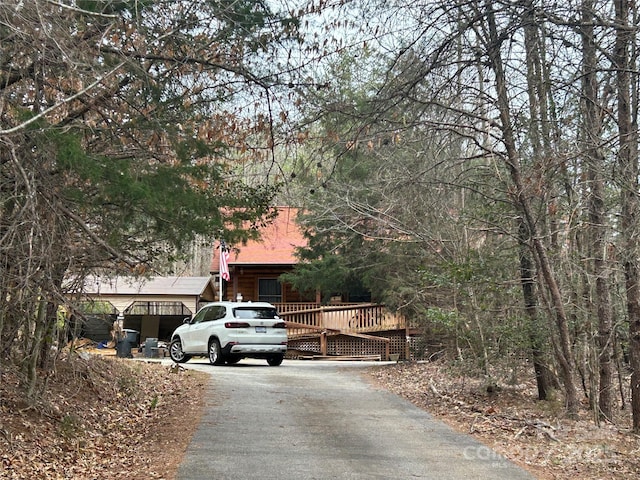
226,332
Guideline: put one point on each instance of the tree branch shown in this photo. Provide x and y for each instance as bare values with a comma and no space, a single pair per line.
45,112
80,10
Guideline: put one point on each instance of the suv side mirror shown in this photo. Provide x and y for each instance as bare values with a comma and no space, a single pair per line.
187,320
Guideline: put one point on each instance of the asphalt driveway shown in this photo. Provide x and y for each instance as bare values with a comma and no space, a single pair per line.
321,420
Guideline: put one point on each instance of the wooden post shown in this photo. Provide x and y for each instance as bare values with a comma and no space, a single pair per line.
323,343
407,349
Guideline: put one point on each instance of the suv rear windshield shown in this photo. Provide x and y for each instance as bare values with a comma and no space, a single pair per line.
253,312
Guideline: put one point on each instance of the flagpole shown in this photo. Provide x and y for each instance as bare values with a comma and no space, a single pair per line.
220,272
224,265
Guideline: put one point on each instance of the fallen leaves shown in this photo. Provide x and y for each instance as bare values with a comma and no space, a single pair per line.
99,417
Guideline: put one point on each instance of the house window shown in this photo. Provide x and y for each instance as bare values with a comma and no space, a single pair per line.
269,290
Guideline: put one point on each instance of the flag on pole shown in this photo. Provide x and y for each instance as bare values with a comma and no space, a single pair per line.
224,261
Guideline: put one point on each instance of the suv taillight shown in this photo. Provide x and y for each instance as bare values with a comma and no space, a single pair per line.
236,325
280,325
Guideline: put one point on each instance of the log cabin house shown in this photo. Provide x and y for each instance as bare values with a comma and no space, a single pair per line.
342,328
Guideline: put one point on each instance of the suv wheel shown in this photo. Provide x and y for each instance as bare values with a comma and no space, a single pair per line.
275,360
215,353
176,353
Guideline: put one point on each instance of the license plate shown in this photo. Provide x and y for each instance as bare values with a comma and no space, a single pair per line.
261,329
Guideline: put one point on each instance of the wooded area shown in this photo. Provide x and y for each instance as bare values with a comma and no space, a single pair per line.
474,164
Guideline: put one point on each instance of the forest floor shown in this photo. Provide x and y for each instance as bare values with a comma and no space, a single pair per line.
108,418
100,417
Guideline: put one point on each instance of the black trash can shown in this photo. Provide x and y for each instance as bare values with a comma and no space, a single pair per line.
126,343
151,347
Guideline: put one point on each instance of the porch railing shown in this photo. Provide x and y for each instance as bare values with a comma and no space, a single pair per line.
306,318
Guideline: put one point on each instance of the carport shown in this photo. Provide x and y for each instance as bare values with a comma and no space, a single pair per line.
154,306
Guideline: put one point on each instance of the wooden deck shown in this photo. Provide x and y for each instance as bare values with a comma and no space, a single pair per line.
366,329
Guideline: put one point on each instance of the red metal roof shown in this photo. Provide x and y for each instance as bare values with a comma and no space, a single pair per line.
276,245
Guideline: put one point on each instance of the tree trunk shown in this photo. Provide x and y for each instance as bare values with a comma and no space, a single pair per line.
627,158
595,162
565,355
545,378
33,354
51,335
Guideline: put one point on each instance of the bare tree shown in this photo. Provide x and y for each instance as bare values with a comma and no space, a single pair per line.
630,204
595,162
564,353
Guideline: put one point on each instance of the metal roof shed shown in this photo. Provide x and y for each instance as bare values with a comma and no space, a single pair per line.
152,305
122,292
